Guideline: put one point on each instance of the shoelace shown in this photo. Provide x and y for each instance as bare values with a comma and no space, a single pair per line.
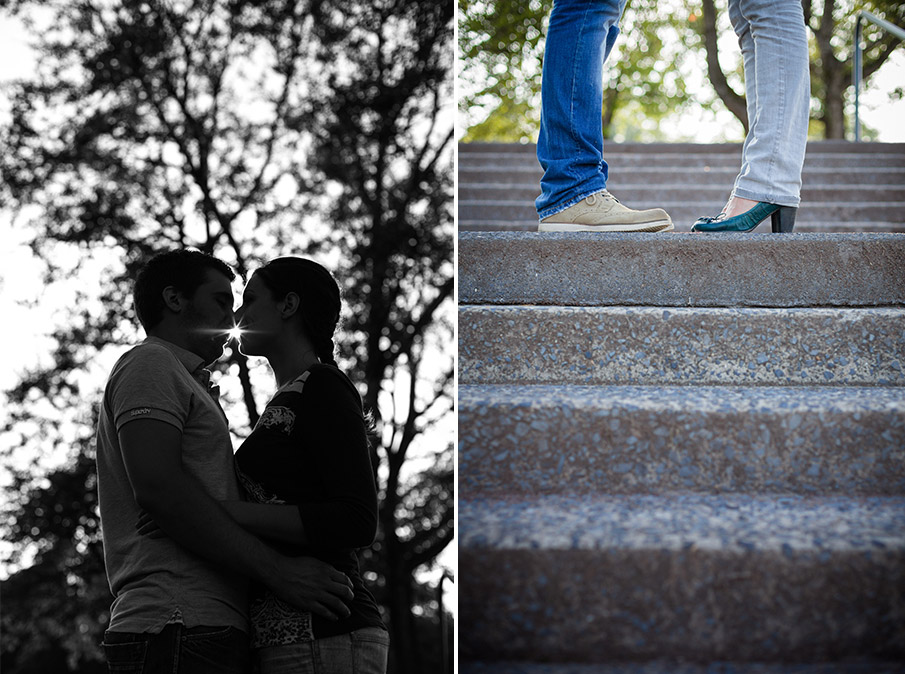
603,194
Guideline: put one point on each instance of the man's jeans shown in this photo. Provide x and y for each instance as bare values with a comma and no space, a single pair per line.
177,650
774,43
363,651
570,146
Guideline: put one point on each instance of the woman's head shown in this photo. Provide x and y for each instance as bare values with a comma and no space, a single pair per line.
291,289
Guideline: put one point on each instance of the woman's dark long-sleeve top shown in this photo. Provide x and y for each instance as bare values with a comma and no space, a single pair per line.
310,449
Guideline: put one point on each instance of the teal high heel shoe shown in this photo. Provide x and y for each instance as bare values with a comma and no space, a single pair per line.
783,219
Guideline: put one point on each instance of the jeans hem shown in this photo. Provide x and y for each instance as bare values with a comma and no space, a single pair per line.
792,201
559,208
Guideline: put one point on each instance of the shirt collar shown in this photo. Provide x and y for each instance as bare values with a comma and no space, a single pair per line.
190,361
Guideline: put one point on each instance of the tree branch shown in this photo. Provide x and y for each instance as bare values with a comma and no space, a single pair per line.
889,42
735,103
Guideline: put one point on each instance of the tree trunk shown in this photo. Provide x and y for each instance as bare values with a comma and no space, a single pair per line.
247,393
610,100
833,104
833,74
735,103
399,592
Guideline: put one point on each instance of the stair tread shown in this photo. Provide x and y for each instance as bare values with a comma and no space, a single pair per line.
572,439
676,269
610,146
730,523
672,667
816,226
607,345
690,398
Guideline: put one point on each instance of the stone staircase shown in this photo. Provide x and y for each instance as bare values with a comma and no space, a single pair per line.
681,453
846,187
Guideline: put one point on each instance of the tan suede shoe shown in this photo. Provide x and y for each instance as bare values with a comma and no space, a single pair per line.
602,212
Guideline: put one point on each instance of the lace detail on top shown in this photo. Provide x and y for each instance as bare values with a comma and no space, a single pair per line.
273,621
276,623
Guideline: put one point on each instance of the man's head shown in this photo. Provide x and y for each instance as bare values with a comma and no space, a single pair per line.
186,297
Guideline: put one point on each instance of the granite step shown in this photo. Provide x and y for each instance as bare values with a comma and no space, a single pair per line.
529,175
466,150
856,666
684,214
682,576
672,346
816,227
727,269
626,160
699,196
629,439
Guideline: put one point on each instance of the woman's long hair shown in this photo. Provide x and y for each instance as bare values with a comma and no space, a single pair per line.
319,297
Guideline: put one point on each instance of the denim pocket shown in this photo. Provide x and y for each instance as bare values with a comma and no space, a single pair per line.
128,657
215,650
194,633
372,635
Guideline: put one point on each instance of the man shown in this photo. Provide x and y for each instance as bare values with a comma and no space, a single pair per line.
570,145
163,446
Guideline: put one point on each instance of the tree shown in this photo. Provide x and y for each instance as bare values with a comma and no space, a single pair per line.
709,33
502,43
831,66
832,29
248,130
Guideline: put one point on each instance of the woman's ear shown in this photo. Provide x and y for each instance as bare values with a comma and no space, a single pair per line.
289,305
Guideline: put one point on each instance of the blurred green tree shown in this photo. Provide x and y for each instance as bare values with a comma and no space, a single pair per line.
831,26
249,130
501,45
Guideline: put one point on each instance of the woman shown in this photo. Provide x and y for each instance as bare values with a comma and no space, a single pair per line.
774,47
309,450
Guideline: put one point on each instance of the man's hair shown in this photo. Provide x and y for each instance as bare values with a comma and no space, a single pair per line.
185,270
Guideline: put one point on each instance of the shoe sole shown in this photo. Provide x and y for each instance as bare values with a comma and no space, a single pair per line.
658,226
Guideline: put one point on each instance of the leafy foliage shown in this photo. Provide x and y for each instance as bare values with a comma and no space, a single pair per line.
501,45
248,130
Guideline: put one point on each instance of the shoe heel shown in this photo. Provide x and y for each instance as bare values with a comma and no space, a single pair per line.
784,219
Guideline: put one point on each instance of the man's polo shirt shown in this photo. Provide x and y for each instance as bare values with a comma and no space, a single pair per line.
155,580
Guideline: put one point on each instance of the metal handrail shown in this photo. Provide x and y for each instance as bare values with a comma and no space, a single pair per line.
857,66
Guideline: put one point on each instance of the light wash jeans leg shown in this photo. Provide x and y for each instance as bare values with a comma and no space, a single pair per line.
570,146
363,651
774,44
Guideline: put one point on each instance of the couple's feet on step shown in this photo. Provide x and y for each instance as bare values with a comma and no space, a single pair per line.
602,212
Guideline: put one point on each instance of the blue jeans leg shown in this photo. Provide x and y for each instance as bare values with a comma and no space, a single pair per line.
177,650
363,651
774,44
570,145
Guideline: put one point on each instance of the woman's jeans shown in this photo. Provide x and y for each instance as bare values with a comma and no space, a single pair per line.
363,651
570,146
774,43
177,650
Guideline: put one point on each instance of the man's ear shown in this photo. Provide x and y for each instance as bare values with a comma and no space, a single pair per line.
290,305
173,299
